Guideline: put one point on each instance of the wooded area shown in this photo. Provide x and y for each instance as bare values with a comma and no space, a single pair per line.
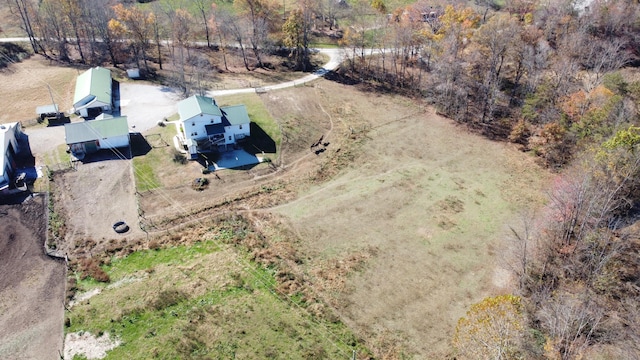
558,78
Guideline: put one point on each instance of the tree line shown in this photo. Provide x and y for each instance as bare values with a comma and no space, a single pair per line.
121,33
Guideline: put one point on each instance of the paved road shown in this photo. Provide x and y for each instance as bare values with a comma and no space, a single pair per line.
145,105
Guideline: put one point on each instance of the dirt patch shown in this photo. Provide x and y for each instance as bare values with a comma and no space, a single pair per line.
31,285
91,199
85,344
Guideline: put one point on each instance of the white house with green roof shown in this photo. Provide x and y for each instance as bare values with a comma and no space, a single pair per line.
86,137
93,92
204,126
9,134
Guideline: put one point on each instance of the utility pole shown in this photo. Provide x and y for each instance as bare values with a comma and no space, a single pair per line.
53,102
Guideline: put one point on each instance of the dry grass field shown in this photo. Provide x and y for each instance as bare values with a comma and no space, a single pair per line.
425,204
31,80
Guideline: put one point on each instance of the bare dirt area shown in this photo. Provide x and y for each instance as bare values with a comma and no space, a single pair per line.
31,286
91,199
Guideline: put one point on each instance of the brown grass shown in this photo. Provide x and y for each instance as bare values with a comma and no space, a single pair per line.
90,267
30,88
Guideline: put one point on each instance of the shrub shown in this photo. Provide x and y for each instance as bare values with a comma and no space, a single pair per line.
167,298
90,267
178,157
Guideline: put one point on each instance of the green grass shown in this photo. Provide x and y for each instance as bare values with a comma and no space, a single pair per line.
57,156
202,301
146,167
145,177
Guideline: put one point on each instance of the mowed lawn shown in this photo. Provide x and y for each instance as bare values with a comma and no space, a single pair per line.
426,204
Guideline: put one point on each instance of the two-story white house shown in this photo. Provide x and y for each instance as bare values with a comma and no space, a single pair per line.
206,127
93,93
9,134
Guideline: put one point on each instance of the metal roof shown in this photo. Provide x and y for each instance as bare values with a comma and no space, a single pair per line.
95,82
91,130
236,114
196,105
47,109
7,133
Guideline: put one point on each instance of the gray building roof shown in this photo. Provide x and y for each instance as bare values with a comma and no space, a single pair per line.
95,82
196,105
85,131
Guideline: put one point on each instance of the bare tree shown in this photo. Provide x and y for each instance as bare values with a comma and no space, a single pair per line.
202,6
53,28
234,27
27,11
73,11
258,15
495,40
100,12
572,320
217,24
139,25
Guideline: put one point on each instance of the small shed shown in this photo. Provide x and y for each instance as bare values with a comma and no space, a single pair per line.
90,136
133,73
46,111
93,92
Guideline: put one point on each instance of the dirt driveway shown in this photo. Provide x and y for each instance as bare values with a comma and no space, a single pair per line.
31,285
93,198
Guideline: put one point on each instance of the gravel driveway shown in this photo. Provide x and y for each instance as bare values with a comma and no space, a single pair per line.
145,105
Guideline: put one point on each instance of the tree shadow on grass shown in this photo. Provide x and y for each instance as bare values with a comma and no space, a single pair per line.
259,141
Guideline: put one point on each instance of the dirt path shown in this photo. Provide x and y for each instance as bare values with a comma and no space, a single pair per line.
31,285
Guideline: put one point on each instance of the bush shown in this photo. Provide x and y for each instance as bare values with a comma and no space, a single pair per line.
178,157
90,267
200,184
167,298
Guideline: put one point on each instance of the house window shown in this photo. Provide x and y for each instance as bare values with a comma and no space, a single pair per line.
229,137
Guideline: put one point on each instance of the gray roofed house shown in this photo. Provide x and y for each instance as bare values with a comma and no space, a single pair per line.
93,92
90,136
